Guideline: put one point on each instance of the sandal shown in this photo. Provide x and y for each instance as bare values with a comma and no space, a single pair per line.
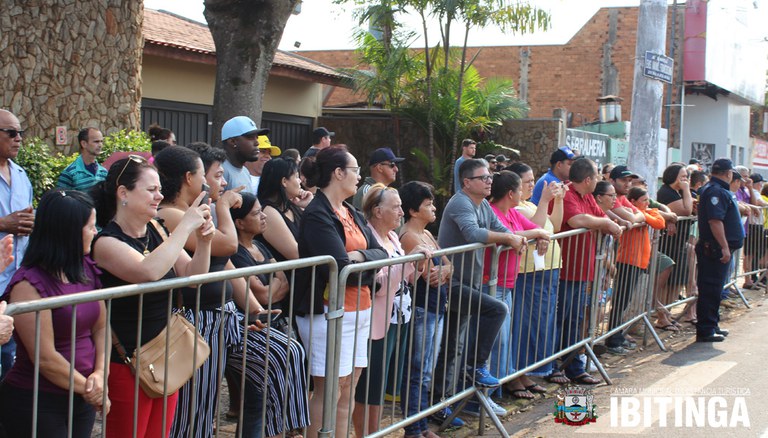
558,377
536,388
586,379
669,327
522,394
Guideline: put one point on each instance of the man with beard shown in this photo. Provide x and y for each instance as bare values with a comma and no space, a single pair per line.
240,140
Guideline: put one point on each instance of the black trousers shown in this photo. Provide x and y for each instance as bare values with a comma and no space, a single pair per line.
711,276
52,413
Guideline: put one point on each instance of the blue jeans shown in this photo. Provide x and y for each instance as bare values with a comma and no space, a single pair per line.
536,294
253,423
571,301
425,345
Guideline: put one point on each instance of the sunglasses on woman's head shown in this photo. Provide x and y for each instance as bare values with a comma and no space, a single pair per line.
131,158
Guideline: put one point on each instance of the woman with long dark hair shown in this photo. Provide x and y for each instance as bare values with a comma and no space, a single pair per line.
182,174
56,263
132,249
333,227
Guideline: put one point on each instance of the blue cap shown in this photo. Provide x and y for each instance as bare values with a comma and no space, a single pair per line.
240,125
561,154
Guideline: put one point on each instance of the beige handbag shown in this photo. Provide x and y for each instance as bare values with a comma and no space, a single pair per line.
187,351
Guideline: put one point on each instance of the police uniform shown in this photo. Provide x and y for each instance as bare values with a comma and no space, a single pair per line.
717,202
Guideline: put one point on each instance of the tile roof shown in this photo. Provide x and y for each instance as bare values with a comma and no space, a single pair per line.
163,28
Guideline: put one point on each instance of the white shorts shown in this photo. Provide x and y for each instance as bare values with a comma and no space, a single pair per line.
354,341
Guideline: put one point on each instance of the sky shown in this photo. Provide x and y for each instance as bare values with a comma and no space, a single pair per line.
321,25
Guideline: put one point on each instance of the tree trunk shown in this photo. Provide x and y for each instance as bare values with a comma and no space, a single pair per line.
430,121
647,94
246,36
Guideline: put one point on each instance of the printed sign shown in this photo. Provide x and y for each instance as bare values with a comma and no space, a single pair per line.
574,406
589,144
658,66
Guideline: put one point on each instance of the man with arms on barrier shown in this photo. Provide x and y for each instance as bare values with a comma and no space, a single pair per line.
579,211
720,233
468,218
16,215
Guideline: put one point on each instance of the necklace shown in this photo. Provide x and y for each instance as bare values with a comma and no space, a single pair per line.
144,242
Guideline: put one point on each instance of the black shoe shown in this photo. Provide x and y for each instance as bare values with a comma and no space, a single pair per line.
711,338
723,332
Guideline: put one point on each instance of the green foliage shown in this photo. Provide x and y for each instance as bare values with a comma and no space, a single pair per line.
43,168
126,141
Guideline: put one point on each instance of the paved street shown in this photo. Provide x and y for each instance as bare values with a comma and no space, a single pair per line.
733,370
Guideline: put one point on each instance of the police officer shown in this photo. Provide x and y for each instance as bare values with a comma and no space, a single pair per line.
721,233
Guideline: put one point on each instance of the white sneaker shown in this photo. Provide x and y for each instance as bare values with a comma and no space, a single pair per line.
473,408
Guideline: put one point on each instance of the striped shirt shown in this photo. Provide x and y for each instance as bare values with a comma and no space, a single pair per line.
77,176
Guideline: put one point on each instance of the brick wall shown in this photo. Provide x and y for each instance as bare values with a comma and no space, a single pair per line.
598,60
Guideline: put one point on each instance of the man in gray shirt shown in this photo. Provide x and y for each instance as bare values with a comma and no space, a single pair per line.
468,218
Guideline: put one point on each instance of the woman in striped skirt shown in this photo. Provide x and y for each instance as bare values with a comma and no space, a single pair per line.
272,362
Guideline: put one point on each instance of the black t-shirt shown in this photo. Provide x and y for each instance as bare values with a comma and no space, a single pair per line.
210,293
674,245
244,259
293,227
125,311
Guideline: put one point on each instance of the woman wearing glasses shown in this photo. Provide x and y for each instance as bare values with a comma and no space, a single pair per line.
132,249
182,175
331,226
56,263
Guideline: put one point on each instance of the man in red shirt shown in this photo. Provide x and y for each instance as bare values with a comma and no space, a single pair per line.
579,211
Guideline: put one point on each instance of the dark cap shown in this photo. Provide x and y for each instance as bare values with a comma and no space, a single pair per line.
490,157
321,132
694,161
619,172
561,154
736,175
501,158
722,165
756,177
384,154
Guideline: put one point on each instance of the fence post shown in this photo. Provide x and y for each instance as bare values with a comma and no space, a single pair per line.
334,316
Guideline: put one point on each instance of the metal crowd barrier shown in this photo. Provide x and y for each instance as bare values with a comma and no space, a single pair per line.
195,281
550,317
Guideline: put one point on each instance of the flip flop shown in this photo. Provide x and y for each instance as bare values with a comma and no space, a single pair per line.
536,388
669,327
522,394
558,377
586,379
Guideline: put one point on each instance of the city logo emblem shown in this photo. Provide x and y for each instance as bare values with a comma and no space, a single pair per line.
574,406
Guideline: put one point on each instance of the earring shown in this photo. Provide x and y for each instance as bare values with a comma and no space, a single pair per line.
124,203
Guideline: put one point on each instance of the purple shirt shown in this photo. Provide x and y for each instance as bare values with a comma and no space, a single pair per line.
742,195
23,371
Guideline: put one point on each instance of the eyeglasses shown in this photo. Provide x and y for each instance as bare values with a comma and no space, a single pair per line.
131,158
356,169
390,165
12,133
485,178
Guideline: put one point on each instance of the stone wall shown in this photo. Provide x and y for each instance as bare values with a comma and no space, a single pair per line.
72,63
536,139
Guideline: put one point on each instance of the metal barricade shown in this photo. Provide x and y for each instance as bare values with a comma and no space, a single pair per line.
195,282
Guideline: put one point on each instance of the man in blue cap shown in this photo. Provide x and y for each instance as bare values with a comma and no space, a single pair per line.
239,136
561,161
720,233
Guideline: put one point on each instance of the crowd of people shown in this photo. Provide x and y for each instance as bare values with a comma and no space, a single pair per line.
419,331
